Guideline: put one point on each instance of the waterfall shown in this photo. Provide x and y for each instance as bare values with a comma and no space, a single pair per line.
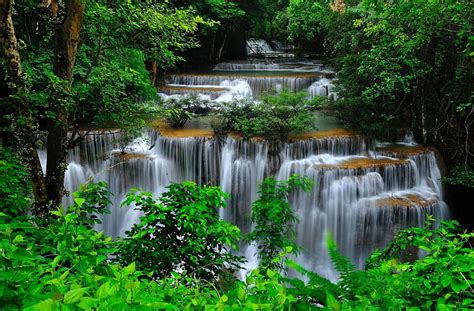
259,84
322,87
273,65
252,78
361,197
258,46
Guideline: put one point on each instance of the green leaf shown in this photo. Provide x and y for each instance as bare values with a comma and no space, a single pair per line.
129,269
332,303
56,261
74,295
79,201
459,285
103,291
45,305
446,280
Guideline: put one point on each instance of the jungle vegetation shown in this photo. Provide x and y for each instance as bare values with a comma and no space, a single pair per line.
70,67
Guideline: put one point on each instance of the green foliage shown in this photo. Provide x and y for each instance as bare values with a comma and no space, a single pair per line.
225,10
268,19
91,200
64,264
306,22
111,86
51,264
70,270
460,176
15,190
274,220
400,64
182,232
274,118
443,279
177,116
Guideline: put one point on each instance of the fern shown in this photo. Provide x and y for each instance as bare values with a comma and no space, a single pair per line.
316,289
342,264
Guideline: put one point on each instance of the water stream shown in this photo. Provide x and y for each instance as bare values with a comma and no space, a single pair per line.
362,194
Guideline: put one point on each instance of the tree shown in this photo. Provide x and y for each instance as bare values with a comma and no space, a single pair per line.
403,64
22,124
72,77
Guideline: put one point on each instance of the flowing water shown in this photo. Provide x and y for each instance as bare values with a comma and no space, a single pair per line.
253,78
362,193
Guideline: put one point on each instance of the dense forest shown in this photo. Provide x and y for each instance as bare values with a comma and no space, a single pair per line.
236,155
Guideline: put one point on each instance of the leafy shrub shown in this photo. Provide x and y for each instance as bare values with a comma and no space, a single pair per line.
177,117
64,264
178,110
15,190
274,118
91,200
45,265
194,104
182,232
274,220
34,280
460,176
442,280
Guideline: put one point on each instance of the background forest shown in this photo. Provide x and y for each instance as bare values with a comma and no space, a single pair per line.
73,66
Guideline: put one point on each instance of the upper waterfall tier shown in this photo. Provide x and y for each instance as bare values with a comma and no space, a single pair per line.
261,47
273,65
253,77
259,83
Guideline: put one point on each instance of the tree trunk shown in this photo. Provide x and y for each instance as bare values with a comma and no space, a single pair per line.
213,46
224,41
67,35
23,124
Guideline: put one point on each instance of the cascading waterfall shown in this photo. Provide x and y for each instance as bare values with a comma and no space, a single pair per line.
361,197
322,87
258,46
252,78
258,84
302,66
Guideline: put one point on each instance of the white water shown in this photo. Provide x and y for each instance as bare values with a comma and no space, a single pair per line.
259,85
361,206
347,202
273,65
258,46
253,78
322,87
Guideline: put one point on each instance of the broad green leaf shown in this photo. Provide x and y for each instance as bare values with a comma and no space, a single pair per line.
74,295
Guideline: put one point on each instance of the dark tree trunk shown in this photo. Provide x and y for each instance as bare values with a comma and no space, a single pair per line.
67,35
23,124
213,46
224,41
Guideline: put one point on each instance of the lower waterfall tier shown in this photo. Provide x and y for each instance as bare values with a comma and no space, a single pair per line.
361,197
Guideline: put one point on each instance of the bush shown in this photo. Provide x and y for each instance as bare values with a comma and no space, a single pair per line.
442,280
177,117
182,232
15,190
64,264
460,176
275,118
274,220
178,110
